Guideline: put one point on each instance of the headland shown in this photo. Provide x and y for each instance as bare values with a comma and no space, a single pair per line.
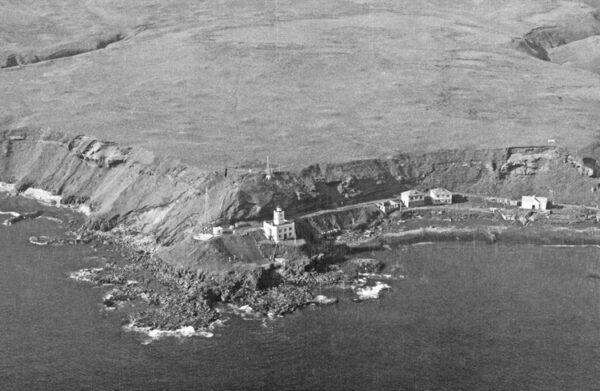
155,209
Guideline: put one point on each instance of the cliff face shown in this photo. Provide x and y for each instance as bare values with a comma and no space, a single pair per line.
160,202
157,198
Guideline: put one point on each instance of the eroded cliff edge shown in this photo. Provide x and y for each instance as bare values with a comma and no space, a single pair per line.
157,204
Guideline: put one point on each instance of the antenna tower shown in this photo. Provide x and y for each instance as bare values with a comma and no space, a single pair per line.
269,172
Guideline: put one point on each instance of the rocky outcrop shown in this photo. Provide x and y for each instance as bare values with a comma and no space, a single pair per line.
565,29
547,37
65,50
528,161
570,38
97,152
530,47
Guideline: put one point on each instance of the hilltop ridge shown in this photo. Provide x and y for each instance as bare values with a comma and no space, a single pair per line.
225,85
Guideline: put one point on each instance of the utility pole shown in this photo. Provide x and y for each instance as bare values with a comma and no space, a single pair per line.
206,205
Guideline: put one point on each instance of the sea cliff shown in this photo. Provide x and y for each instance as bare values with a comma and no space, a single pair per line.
158,203
154,206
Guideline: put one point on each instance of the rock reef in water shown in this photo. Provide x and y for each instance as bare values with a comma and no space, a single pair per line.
367,265
23,216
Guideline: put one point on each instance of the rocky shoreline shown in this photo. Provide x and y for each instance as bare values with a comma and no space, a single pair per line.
174,299
177,300
151,208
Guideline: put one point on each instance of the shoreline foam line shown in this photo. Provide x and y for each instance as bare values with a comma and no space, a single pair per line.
156,334
13,214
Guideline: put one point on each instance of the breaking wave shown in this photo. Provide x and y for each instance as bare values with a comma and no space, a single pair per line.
85,274
156,334
371,292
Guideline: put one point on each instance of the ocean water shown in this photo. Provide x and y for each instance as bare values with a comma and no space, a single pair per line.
457,317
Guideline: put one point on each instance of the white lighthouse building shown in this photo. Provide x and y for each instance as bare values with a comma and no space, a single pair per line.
279,228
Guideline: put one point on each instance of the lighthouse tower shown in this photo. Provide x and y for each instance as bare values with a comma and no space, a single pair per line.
278,216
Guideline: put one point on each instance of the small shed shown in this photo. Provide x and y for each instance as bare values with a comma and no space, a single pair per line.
388,206
534,202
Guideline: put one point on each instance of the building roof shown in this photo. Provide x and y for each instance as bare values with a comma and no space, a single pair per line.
387,202
412,192
439,191
534,197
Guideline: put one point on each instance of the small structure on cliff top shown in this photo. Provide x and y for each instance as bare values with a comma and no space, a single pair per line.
534,203
388,206
279,228
412,198
440,196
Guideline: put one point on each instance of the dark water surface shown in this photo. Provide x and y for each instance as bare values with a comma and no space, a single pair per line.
465,317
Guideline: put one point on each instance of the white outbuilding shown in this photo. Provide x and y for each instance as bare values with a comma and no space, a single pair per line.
388,206
534,202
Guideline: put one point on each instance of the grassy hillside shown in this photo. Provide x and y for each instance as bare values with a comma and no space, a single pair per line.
224,82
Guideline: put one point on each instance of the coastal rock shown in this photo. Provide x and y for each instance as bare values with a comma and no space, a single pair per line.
23,216
279,300
367,265
175,313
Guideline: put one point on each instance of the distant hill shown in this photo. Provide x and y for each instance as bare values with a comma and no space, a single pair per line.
223,83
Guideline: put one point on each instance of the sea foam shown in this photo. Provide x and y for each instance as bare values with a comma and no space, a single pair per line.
245,312
85,274
376,276
50,218
156,334
371,292
13,214
422,243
